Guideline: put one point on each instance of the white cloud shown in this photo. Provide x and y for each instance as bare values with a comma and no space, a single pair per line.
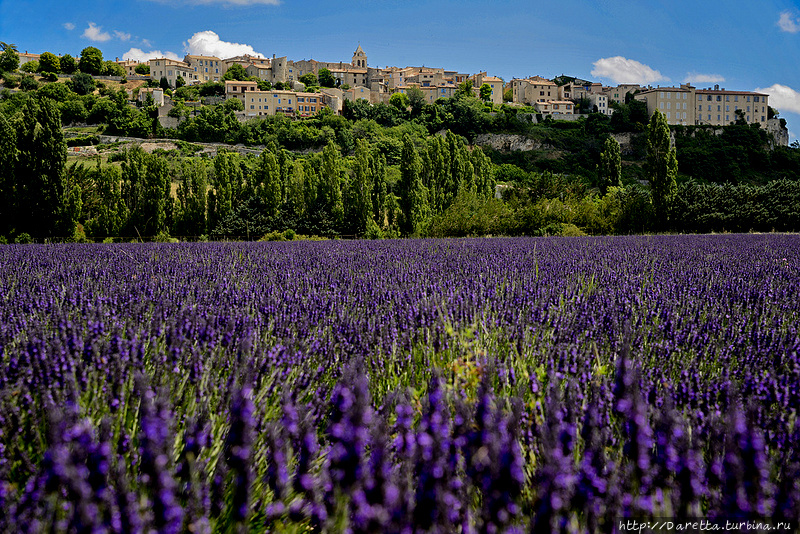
624,70
782,97
95,33
137,54
789,23
68,25
208,43
122,36
703,78
146,43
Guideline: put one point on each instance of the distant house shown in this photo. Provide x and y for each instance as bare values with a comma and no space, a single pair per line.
156,92
555,107
531,90
170,69
206,68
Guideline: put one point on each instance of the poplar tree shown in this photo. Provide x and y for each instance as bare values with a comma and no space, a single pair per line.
610,168
268,177
359,205
8,163
661,166
329,191
413,194
379,189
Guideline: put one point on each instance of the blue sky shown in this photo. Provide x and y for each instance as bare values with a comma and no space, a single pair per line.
743,45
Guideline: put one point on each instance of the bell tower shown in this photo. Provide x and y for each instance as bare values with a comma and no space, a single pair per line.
359,58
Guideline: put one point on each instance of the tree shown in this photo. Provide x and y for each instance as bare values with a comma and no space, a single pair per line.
416,99
68,64
661,166
91,61
399,101
143,69
49,63
508,94
309,80
30,66
82,83
610,169
9,59
359,202
326,79
179,82
112,68
464,90
236,72
39,173
485,92
413,193
164,83
8,162
268,178
28,83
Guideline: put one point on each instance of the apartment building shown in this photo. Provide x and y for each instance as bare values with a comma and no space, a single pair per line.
719,107
497,86
239,89
268,103
618,93
25,57
675,103
128,65
554,107
206,68
171,69
687,105
599,103
531,90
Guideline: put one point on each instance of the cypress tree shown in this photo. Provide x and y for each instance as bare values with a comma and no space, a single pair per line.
610,168
661,167
413,194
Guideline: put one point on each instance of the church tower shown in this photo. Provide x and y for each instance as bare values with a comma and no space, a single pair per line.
359,58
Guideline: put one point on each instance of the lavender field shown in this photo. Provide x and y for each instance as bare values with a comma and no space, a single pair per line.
500,385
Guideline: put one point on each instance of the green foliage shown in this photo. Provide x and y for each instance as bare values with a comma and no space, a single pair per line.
212,89
82,84
399,101
629,117
28,83
471,215
91,61
661,166
142,69
164,83
412,191
9,60
235,72
30,67
68,64
33,155
485,92
112,68
326,79
309,80
190,209
23,239
610,169
49,62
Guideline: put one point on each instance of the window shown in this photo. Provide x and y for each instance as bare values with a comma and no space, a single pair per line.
748,108
709,108
727,98
709,117
708,98
661,94
252,107
700,107
684,115
718,117
727,108
699,97
661,105
755,99
669,104
668,117
719,108
735,98
727,117
748,98
719,98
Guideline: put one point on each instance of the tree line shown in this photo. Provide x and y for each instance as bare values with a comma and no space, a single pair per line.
380,171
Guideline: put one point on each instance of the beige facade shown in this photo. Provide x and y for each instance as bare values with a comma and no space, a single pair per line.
239,89
719,107
129,65
617,94
555,107
171,69
25,57
206,68
687,105
268,103
360,92
531,90
497,88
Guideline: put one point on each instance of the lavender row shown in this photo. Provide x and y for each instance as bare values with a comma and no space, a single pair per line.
432,385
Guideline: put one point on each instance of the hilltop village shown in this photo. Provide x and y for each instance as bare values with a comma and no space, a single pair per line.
279,85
